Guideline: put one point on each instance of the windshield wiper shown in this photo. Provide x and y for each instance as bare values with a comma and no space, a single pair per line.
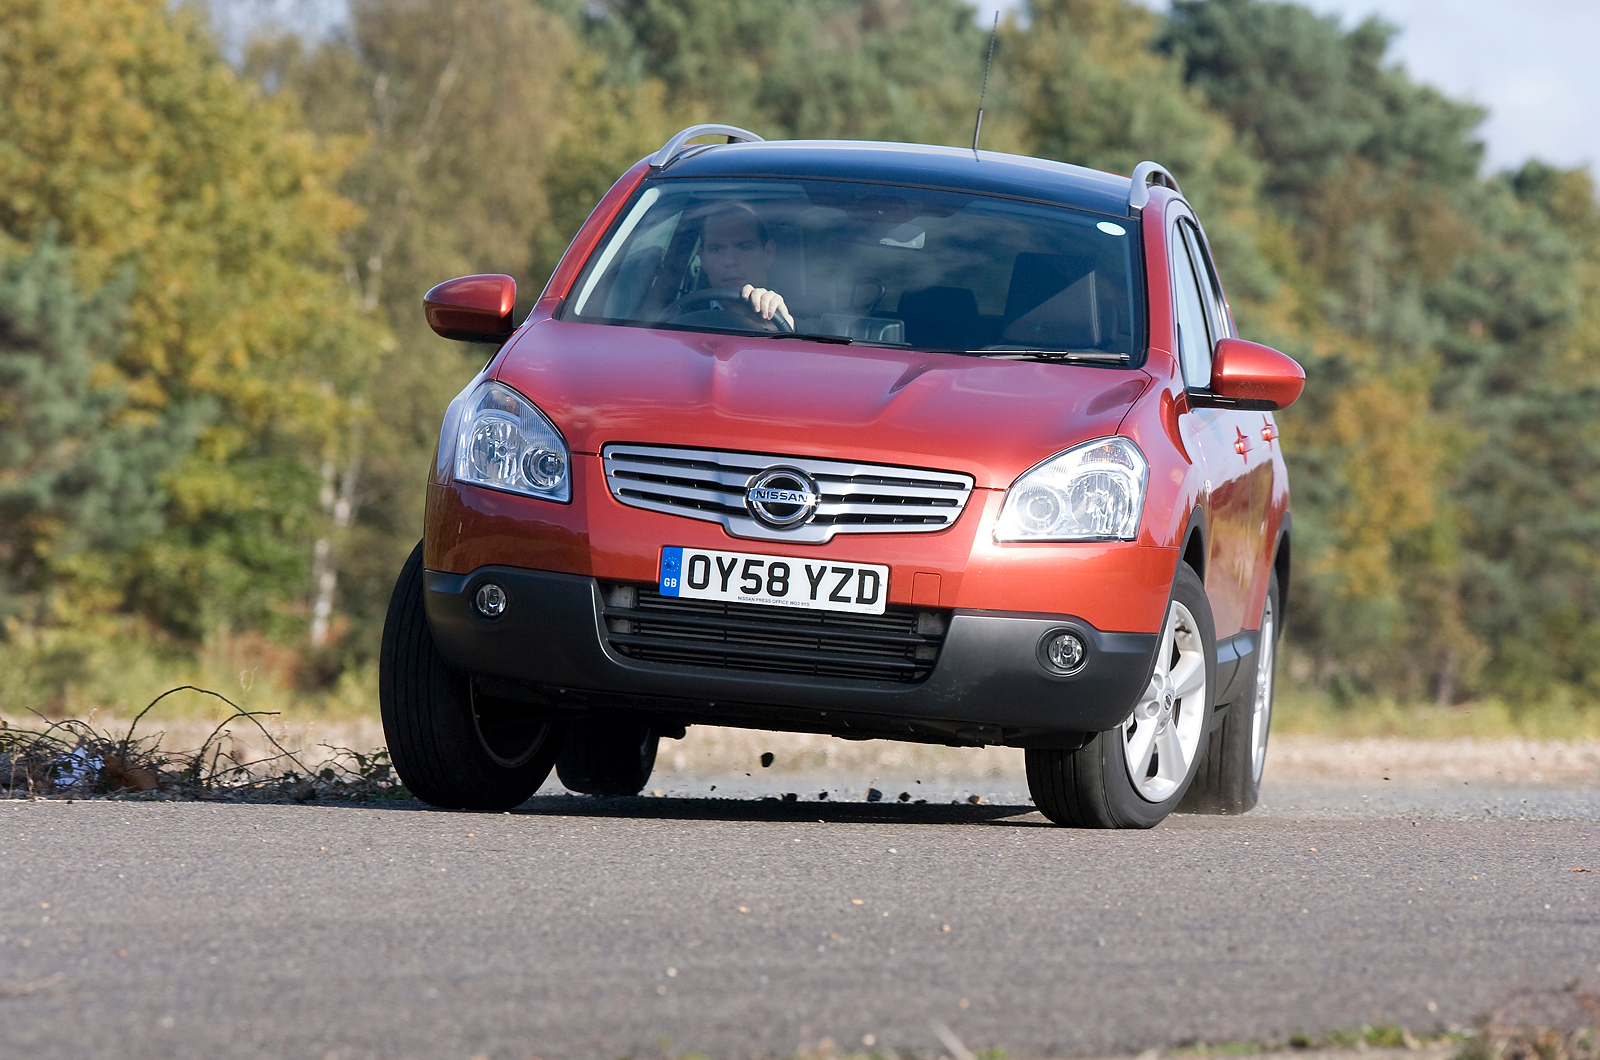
837,340
1071,356
672,325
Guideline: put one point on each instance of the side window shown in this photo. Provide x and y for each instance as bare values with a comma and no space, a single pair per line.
1210,289
1194,342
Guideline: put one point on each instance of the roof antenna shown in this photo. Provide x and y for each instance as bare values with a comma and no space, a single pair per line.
977,129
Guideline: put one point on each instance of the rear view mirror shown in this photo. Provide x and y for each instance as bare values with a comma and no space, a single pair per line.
472,308
1248,375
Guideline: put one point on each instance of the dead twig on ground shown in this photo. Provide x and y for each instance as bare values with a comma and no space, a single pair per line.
74,759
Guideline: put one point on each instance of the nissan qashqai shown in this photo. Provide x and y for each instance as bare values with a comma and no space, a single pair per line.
877,440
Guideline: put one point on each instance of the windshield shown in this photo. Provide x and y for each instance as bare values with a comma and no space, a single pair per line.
869,263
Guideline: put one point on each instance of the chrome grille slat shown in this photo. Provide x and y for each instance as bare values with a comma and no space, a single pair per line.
884,494
732,498
854,498
887,509
733,480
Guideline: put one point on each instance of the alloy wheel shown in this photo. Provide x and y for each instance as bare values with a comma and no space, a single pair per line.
1162,736
1262,716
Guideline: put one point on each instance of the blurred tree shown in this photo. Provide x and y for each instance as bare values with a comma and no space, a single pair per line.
1443,469
123,131
457,111
1310,98
863,69
78,479
1078,81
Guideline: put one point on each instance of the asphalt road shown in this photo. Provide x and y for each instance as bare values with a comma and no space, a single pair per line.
582,928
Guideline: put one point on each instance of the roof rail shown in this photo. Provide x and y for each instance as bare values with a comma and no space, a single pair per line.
1144,175
675,146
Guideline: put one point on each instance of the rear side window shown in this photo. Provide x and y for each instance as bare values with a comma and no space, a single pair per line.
875,263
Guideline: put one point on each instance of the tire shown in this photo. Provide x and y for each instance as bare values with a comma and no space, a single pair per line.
608,755
1230,775
1094,787
451,747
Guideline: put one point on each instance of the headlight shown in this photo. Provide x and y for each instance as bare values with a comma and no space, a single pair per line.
1094,492
507,444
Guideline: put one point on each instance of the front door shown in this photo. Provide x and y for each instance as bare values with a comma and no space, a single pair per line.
1232,540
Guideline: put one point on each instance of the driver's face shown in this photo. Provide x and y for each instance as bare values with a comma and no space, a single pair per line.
733,254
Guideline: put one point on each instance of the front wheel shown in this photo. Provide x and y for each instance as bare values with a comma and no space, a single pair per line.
1230,778
1133,776
452,747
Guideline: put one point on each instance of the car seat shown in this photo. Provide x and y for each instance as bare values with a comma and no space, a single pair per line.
1052,300
940,317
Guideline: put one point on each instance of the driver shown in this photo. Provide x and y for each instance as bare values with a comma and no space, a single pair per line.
735,252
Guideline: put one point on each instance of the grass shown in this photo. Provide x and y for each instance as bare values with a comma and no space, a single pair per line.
1313,712
77,675
1381,1036
1540,1025
1532,1025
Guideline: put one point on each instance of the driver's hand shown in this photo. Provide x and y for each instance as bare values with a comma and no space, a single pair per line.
767,303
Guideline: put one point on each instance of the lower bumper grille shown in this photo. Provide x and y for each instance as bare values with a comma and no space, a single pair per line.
900,646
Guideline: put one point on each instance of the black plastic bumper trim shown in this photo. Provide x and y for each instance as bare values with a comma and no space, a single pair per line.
987,686
1236,666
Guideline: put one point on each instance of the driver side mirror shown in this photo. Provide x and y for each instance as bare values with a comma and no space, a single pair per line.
1248,375
472,308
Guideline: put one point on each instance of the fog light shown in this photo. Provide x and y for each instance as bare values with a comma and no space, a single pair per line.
490,601
1064,651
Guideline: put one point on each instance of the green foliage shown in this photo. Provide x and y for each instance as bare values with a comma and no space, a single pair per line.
453,112
1444,468
863,69
1080,83
122,131
1311,99
79,481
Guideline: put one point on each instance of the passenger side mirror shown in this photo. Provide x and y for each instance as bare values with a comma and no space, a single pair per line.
1248,375
472,308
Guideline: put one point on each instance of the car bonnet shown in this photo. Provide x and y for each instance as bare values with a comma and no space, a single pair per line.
992,419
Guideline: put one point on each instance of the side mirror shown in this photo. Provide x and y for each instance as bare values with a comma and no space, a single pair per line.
1248,375
472,308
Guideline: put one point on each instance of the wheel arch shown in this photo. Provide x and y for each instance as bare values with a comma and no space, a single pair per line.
1194,543
1280,567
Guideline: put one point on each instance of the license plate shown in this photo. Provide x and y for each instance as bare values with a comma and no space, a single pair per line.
779,581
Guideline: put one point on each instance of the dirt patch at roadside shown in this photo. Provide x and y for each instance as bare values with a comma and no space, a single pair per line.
710,751
1506,761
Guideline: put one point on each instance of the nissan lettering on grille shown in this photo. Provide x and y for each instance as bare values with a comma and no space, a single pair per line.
782,497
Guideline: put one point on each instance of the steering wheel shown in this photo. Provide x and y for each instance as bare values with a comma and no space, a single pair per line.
685,302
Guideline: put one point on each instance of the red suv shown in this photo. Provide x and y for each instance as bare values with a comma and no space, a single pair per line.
877,440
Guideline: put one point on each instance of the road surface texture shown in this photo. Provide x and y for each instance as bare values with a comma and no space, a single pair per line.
735,925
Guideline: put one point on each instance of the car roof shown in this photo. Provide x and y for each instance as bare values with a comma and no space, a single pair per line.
911,165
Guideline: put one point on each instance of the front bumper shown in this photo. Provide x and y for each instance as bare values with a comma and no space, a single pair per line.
987,687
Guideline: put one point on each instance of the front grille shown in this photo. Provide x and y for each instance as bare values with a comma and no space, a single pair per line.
854,498
900,646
